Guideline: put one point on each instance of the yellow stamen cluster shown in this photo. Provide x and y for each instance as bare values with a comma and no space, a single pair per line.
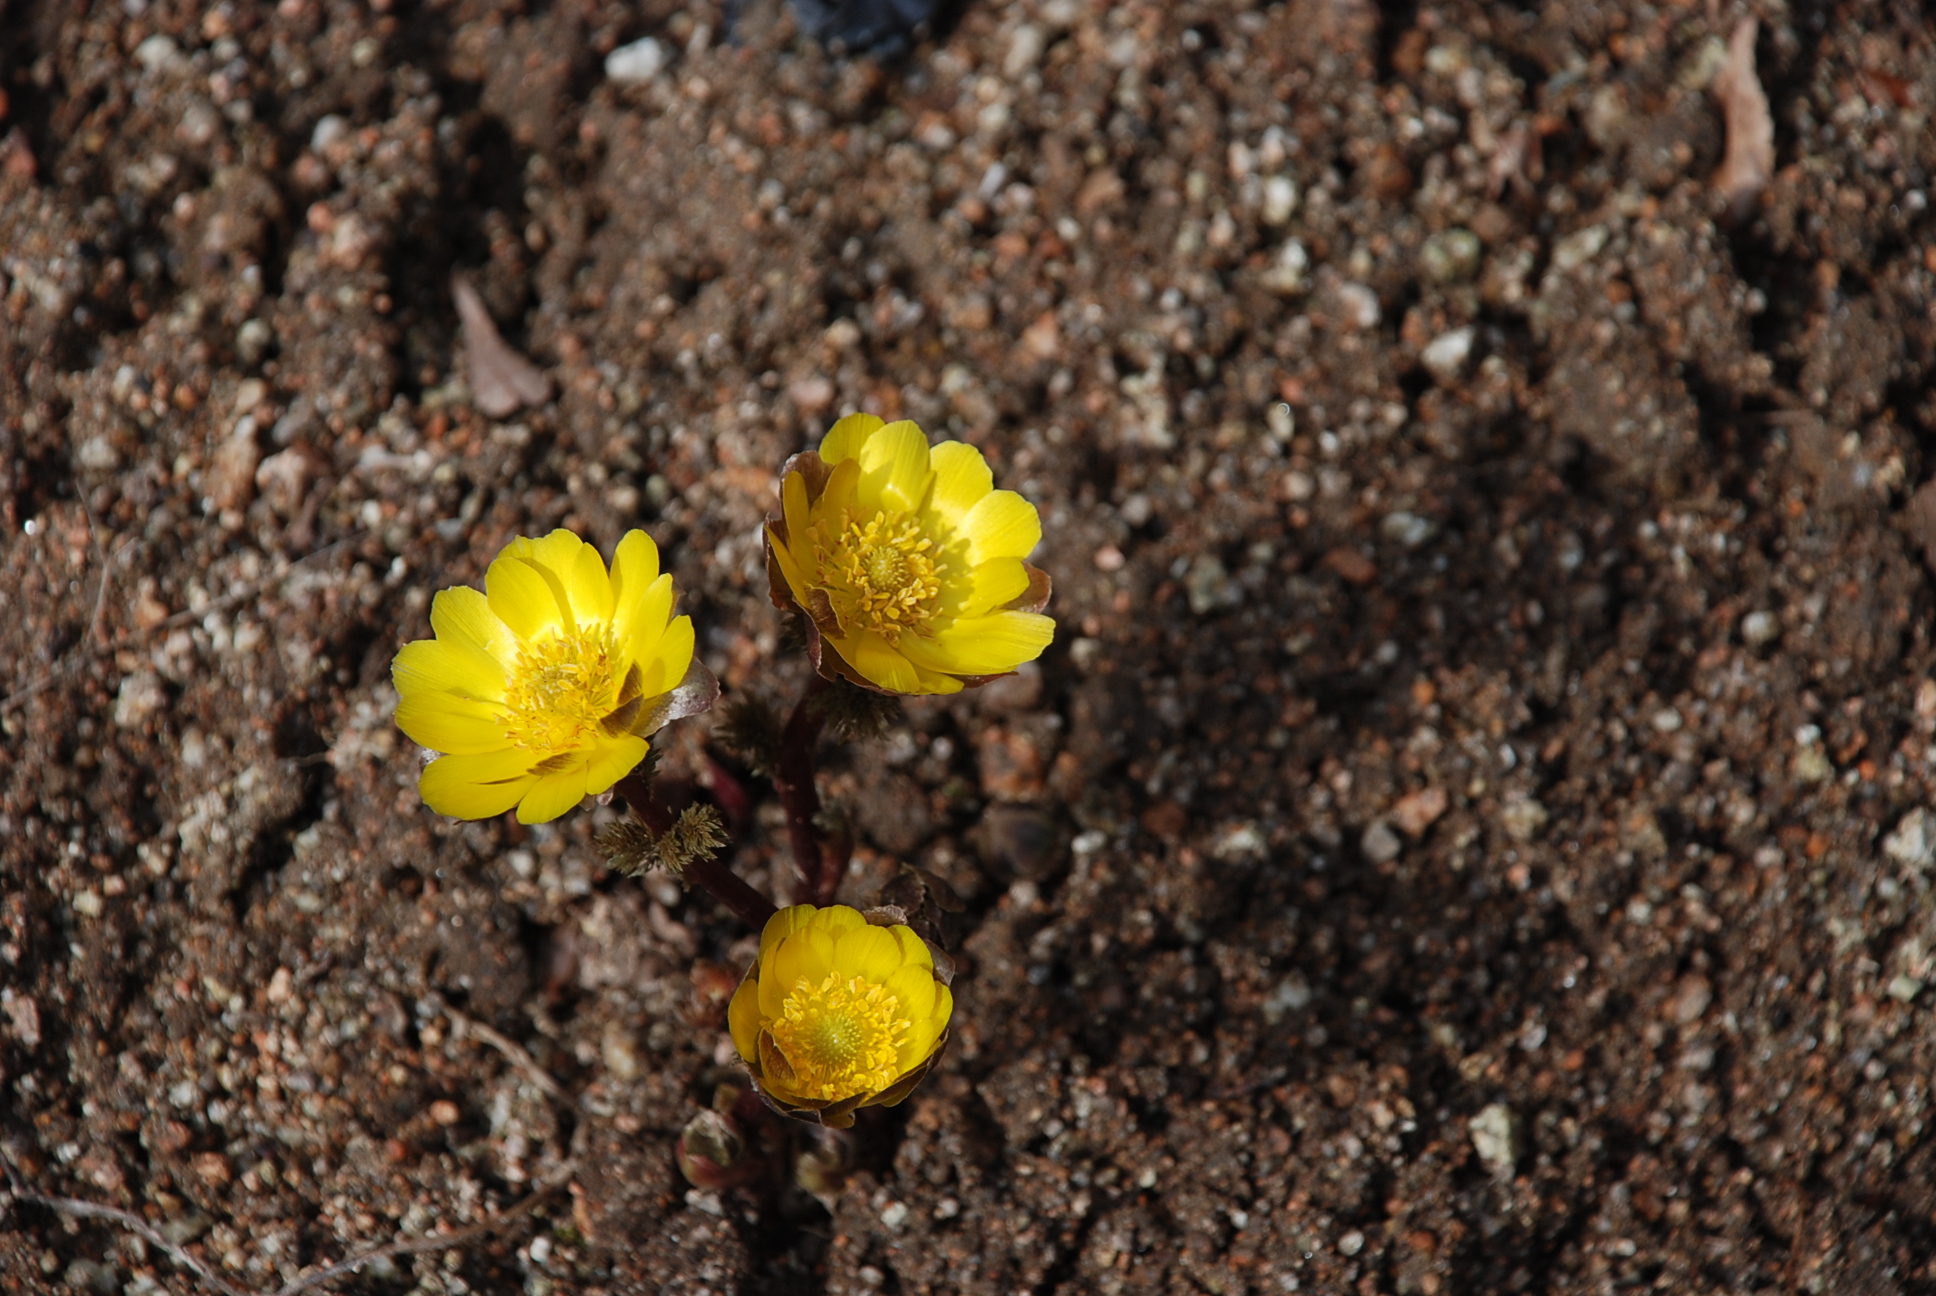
559,689
841,1037
881,575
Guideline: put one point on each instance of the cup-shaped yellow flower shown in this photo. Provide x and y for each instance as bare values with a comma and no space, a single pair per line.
907,561
838,1014
544,687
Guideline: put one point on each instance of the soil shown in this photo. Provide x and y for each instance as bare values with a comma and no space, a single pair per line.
1470,834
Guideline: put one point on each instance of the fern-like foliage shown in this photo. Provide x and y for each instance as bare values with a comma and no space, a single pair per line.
633,849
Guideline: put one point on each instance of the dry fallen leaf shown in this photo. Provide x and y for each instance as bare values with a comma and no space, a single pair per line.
502,381
1750,157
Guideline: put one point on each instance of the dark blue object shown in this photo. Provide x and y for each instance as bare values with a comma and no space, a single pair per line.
881,27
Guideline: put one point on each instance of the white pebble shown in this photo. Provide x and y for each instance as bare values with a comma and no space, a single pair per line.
1359,306
640,61
1280,199
329,128
1446,354
1380,844
1492,1138
156,52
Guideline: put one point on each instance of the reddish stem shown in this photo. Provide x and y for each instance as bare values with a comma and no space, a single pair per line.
726,886
821,859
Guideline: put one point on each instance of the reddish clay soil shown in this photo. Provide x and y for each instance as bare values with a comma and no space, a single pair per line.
1471,833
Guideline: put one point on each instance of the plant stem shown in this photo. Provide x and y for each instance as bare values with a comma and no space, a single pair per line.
821,860
726,886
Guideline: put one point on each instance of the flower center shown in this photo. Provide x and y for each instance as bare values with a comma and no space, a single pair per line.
841,1037
560,688
880,575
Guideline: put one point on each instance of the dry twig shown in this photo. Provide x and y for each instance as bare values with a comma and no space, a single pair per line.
86,649
127,1220
510,1048
309,1281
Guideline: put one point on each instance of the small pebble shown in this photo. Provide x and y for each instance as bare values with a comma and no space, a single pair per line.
1580,247
1416,811
1524,819
1409,529
1280,199
1758,628
1911,842
638,62
1286,276
1690,999
1451,256
1493,1138
1380,844
1359,306
1445,355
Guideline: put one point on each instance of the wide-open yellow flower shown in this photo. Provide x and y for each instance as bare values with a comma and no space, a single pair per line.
544,687
907,560
838,1014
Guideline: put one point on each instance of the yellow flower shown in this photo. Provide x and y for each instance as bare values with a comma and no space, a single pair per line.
907,561
545,687
837,1014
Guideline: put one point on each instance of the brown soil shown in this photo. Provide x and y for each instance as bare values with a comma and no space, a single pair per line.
1467,837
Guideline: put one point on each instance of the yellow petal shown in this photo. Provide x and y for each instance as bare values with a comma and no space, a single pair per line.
640,619
661,671
782,925
588,587
914,987
743,1019
894,467
635,565
914,950
807,955
433,666
987,645
983,589
612,760
791,570
835,919
845,438
920,1041
1003,525
454,725
961,480
838,499
879,662
813,955
477,786
521,598
944,1008
558,549
463,616
793,506
554,558
554,794
870,952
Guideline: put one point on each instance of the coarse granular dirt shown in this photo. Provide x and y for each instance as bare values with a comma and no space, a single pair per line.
1471,834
